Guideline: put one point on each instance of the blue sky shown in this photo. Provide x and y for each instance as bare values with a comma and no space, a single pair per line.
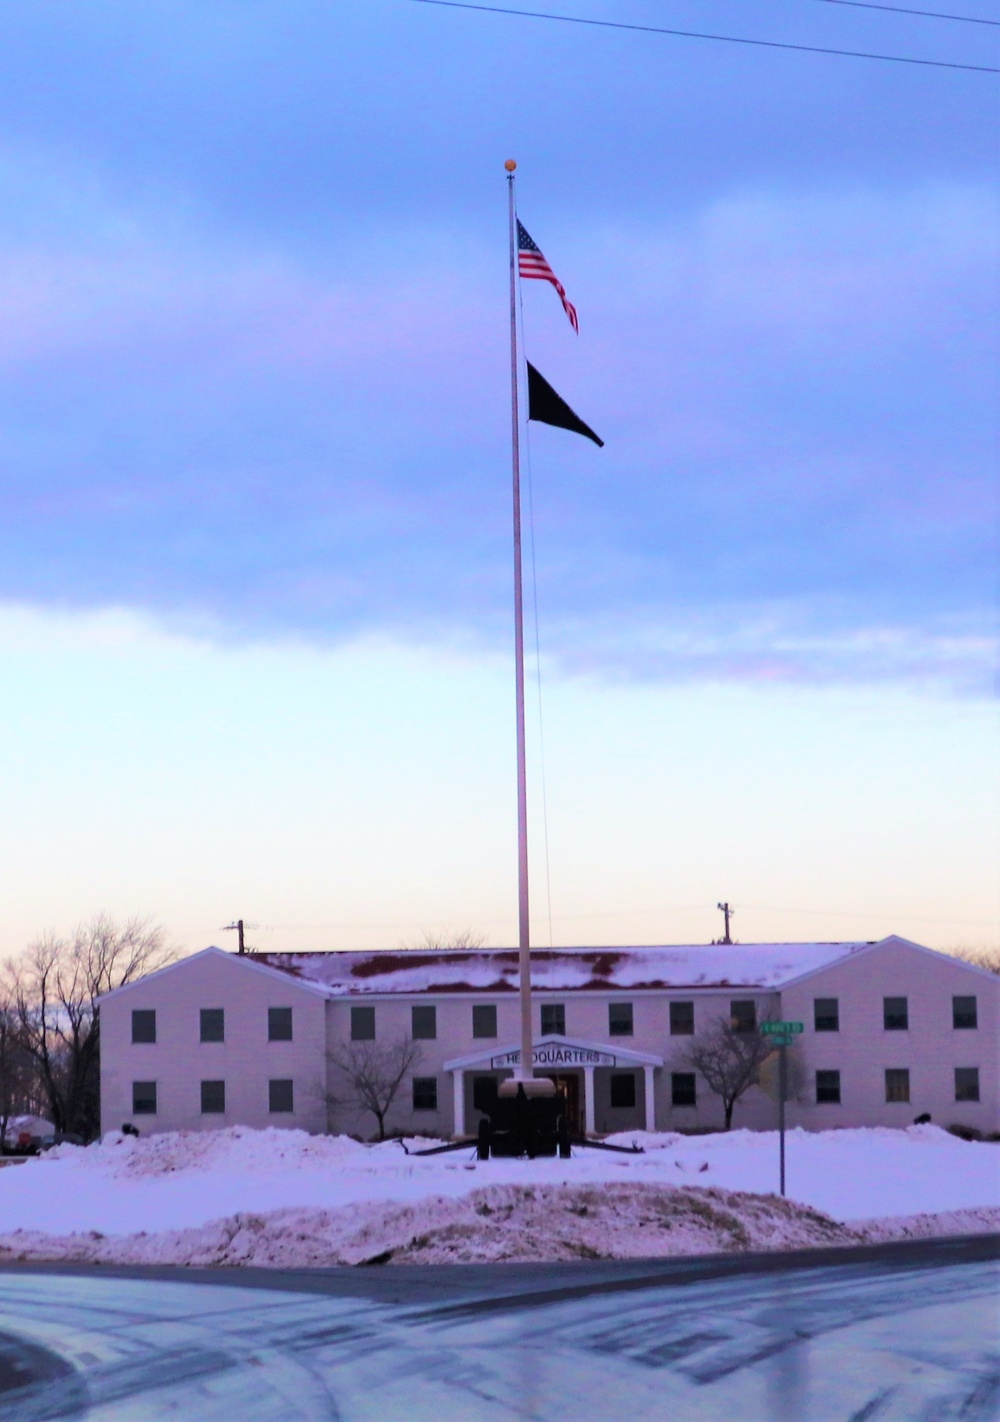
253,345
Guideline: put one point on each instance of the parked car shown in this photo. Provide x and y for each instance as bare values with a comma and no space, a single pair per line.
27,1135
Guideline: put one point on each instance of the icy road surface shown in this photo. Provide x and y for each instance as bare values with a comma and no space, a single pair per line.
889,1333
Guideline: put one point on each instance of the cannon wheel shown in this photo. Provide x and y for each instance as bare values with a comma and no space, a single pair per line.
483,1143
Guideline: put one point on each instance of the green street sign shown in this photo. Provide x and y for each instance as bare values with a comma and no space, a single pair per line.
777,1041
781,1029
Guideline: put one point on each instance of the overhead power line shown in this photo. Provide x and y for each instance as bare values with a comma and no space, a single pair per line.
903,10
698,34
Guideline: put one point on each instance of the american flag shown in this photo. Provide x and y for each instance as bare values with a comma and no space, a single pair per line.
531,263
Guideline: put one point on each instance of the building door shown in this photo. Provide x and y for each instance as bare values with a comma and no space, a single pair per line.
568,1086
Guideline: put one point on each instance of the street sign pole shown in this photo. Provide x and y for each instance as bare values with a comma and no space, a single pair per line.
781,1035
782,1089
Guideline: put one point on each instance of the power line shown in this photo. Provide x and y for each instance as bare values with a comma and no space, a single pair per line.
697,34
902,10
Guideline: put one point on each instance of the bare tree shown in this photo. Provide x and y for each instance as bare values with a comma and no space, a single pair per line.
54,987
373,1072
16,1075
984,957
729,1058
429,941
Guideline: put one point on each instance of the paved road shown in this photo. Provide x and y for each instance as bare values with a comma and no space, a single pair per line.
869,1335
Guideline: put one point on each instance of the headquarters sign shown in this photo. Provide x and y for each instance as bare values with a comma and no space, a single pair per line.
558,1055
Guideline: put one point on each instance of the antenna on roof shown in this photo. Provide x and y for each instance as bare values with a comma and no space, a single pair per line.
728,913
238,927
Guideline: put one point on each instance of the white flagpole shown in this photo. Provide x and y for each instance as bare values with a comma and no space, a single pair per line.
525,1072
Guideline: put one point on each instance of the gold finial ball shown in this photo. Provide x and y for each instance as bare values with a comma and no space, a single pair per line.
510,165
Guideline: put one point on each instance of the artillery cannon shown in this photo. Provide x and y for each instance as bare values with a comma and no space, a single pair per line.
520,1122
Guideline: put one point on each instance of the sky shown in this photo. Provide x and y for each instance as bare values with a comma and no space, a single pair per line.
255,580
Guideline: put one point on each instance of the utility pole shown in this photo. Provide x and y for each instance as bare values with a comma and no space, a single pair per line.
728,912
238,926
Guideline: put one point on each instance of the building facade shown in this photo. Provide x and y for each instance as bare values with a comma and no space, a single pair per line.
891,1031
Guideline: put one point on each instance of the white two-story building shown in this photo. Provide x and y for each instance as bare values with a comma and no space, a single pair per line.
891,1031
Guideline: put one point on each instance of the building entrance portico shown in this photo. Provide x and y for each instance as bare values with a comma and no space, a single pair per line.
571,1063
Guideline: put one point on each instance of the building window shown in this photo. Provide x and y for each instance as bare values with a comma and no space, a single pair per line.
897,1084
963,1013
144,1025
895,1014
682,1089
484,1093
681,1019
425,1093
553,1019
622,1090
619,1019
828,1088
213,1098
966,1083
826,1014
213,1024
362,1024
423,1023
279,1024
484,1020
144,1098
280,1096
743,1016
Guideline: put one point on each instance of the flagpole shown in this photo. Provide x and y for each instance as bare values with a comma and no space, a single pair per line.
525,1073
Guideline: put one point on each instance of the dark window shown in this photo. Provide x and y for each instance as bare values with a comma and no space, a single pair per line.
553,1019
425,1093
279,1024
144,1098
619,1019
213,1024
484,1092
681,1019
423,1023
828,1088
966,1083
622,1090
744,1016
213,1098
144,1025
895,1014
897,1084
963,1013
280,1096
484,1020
826,1014
682,1089
362,1024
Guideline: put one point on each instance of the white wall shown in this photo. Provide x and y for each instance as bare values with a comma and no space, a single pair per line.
178,1061
931,1048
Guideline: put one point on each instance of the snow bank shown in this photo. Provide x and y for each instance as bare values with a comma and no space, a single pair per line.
237,1147
152,1187
499,1223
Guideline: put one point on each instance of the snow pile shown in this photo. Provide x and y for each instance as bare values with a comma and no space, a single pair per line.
985,1220
186,1189
502,1223
236,1148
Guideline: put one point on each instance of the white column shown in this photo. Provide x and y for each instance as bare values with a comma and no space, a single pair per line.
650,1108
458,1082
588,1100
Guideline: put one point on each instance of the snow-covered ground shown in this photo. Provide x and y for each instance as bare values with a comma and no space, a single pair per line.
283,1197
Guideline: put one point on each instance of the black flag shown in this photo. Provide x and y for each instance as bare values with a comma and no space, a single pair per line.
549,408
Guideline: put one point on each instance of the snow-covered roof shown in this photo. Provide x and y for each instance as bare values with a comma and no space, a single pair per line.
493,970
